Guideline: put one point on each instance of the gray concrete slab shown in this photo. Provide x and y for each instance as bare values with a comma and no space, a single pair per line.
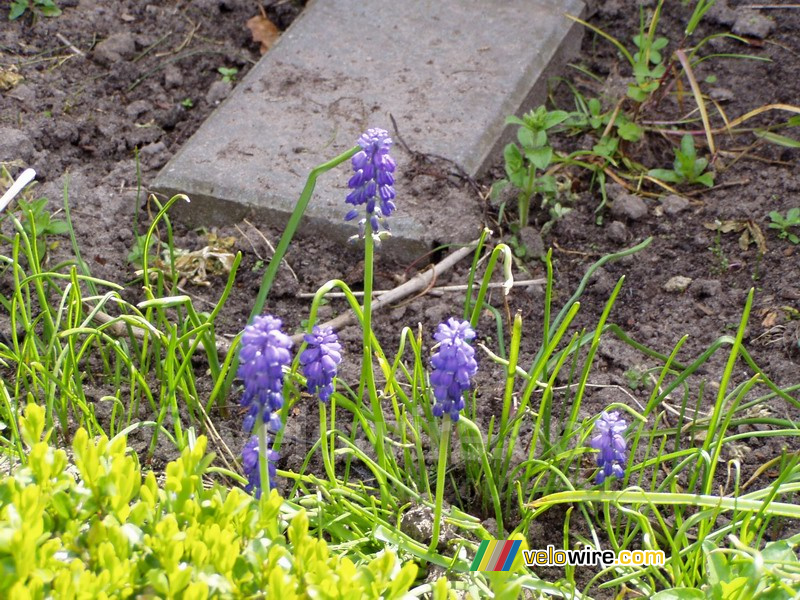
449,71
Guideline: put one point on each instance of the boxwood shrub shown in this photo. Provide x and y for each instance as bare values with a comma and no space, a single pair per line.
101,529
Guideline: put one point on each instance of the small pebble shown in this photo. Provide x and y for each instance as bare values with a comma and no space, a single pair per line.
173,77
750,23
532,240
721,94
674,204
136,108
15,144
115,48
721,13
218,91
629,206
154,148
617,232
677,284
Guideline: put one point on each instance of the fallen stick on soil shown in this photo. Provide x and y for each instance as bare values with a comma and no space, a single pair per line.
23,180
418,282
70,45
439,288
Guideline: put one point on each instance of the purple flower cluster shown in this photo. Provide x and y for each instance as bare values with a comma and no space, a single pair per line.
454,365
264,353
372,182
320,360
252,468
607,438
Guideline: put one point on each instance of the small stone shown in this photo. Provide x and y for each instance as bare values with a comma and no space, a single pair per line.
602,283
535,291
677,284
218,91
750,23
136,108
24,93
721,14
531,239
706,288
617,232
629,206
169,119
15,144
115,48
721,94
173,77
153,148
417,524
674,204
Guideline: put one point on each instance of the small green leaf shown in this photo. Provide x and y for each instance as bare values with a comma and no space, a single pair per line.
18,8
687,146
57,227
664,175
540,157
526,137
32,424
636,93
49,9
630,131
555,117
780,140
707,179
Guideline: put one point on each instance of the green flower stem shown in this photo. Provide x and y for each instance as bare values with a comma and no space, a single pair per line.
444,446
280,250
263,459
323,435
367,372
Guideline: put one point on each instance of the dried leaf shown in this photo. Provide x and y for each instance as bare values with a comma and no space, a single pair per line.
197,266
758,236
769,321
744,239
9,78
263,31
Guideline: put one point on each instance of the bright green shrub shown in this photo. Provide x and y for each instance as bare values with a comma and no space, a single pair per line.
116,534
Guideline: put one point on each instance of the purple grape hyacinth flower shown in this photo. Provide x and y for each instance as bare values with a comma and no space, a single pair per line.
454,365
252,467
320,360
607,438
264,353
372,183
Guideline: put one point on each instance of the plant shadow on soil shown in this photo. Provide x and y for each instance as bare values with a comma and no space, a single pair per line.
81,115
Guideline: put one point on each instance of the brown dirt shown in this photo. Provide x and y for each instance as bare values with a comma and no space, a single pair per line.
82,114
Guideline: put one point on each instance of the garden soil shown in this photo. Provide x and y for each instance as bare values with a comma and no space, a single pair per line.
83,91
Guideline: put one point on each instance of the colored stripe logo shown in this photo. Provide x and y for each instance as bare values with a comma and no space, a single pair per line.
496,555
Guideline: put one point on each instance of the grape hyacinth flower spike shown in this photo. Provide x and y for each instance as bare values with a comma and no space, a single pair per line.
252,466
372,183
263,355
320,361
454,366
607,438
